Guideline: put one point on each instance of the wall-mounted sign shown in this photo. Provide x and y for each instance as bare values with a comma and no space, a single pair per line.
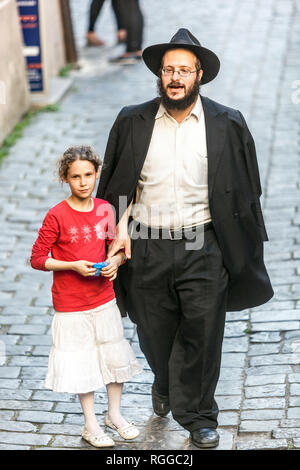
30,23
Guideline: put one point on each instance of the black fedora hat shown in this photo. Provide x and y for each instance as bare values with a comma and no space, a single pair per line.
183,39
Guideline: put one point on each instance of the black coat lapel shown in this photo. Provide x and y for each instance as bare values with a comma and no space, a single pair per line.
215,125
142,128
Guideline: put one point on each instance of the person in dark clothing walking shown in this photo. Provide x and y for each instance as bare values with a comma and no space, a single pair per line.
132,16
95,8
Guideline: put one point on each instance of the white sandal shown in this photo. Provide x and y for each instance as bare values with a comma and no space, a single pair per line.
129,431
97,441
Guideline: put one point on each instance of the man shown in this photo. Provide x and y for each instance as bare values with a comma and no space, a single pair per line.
191,166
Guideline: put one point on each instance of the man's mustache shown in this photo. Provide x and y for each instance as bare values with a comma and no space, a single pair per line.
175,85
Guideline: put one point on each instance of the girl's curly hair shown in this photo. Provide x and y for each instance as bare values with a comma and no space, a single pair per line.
76,152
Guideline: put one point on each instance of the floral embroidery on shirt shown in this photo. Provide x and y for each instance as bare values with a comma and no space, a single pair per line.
73,231
86,231
99,232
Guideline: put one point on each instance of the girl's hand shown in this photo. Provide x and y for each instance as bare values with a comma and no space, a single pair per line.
111,270
85,268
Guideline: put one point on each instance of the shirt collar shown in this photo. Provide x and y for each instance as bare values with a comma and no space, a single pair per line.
196,111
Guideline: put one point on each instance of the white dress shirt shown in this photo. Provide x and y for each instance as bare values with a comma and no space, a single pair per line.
172,190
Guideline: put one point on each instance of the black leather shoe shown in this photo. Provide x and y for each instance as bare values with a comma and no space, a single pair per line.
160,403
205,437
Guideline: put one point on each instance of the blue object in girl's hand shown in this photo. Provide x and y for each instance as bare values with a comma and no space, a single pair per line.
99,266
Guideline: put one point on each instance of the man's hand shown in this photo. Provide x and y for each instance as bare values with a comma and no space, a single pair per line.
119,244
122,240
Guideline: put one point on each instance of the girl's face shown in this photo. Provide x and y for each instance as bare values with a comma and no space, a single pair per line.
82,179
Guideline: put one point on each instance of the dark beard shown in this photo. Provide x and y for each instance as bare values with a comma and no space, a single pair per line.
181,104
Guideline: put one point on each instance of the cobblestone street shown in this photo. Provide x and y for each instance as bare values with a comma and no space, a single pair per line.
259,388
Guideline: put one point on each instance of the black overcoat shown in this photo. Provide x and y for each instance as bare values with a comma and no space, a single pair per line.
234,192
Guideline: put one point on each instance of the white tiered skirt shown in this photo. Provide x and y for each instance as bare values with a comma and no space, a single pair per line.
89,350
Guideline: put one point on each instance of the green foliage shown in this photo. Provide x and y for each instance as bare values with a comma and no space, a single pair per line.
64,71
49,108
248,331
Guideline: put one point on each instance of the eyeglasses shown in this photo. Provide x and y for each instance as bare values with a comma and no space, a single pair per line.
184,73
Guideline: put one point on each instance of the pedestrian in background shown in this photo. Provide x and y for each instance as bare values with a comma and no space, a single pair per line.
95,8
88,345
130,12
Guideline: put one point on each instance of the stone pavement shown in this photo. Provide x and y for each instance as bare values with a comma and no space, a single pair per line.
259,388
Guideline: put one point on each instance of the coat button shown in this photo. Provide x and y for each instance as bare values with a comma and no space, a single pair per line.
236,214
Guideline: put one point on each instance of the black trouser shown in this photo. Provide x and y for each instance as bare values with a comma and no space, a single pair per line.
178,300
95,8
119,13
133,20
128,16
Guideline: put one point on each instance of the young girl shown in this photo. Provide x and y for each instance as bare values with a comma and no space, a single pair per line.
88,346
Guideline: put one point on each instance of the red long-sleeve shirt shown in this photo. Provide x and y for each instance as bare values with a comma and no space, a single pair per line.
71,235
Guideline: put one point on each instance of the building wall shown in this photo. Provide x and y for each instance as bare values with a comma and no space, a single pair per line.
14,94
54,47
14,91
